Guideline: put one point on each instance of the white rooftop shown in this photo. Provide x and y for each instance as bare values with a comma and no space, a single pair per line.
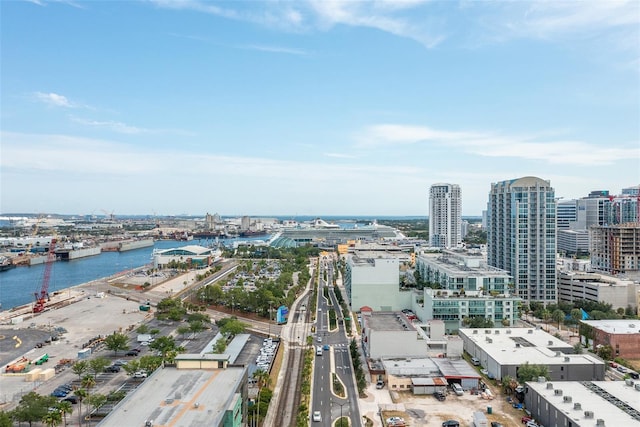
616,326
515,346
603,405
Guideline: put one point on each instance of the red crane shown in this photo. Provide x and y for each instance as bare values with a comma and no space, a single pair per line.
43,295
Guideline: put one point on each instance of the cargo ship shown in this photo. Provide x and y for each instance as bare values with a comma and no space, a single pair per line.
6,263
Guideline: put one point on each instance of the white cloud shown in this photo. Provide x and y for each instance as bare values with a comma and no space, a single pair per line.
111,125
340,155
54,99
486,144
276,49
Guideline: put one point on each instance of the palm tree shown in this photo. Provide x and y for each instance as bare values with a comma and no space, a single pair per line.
82,394
52,418
88,381
65,407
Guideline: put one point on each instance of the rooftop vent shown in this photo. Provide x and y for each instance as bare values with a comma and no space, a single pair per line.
497,332
550,342
558,353
517,345
637,386
508,331
557,392
588,414
543,379
549,385
577,406
530,331
489,340
567,359
599,422
475,331
567,399
487,331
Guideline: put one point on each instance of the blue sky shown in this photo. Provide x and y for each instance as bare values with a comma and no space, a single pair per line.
311,107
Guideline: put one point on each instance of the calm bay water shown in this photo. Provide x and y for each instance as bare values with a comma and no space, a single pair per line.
18,285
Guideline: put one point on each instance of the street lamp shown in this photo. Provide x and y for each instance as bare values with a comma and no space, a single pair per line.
340,419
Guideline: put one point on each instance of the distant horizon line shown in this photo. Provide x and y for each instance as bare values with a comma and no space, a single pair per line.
8,216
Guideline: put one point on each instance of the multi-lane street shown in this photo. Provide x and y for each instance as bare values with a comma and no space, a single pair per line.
332,358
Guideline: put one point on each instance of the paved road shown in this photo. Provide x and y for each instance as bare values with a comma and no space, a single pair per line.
336,360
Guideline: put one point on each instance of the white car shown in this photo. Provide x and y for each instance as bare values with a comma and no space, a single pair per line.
316,416
140,374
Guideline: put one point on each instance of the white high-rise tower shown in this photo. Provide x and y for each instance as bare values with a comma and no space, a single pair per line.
445,215
521,235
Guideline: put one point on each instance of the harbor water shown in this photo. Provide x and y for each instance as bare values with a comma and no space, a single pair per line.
18,285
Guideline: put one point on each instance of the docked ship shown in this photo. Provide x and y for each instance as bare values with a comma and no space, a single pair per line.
71,252
6,263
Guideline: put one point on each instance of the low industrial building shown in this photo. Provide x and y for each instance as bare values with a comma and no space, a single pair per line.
427,375
393,335
623,335
576,285
201,390
584,404
192,255
502,351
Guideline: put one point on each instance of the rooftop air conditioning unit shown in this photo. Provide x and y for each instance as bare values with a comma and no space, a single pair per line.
637,386
588,414
475,331
530,331
599,422
517,345
497,332
487,331
577,406
543,379
549,385
508,331
550,342
567,359
489,340
567,399
557,392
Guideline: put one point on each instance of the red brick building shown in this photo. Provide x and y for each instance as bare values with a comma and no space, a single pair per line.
622,335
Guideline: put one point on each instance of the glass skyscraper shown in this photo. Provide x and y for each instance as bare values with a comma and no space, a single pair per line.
521,235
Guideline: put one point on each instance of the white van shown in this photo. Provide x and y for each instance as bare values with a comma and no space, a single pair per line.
457,389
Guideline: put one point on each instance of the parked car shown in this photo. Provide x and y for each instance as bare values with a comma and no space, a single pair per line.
475,361
59,393
451,423
131,353
119,362
380,384
496,424
525,419
440,396
140,374
634,375
71,399
112,368
621,368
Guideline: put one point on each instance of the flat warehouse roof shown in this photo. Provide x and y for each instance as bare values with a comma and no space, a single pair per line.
615,326
612,401
181,398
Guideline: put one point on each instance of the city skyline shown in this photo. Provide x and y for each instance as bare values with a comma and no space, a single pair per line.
312,108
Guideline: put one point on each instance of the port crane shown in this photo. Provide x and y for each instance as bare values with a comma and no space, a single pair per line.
43,295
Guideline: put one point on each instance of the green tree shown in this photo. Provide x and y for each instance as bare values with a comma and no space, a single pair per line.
33,407
131,367
577,348
196,327
88,382
183,330
605,352
220,346
558,316
143,329
82,395
97,365
231,327
530,372
163,345
151,363
96,401
52,418
65,407
80,368
6,419
116,342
